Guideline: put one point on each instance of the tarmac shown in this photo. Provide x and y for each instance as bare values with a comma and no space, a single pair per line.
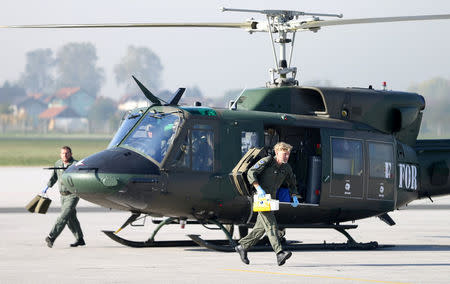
420,252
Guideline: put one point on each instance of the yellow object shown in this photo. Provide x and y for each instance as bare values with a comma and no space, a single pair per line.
261,204
43,205
33,203
39,204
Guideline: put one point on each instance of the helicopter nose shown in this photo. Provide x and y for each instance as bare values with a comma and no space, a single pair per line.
111,178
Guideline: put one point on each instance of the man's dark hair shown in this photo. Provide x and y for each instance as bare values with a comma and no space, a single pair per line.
67,148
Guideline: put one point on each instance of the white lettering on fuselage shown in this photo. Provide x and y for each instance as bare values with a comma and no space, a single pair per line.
407,178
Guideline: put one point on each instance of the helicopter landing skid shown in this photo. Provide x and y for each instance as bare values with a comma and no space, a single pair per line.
264,245
292,246
148,243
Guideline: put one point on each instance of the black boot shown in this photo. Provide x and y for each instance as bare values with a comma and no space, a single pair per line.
282,256
49,241
242,253
80,242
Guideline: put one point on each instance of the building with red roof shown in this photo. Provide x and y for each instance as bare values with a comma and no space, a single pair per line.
32,105
74,97
63,118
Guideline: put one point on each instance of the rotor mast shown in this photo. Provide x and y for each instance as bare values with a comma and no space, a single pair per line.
281,22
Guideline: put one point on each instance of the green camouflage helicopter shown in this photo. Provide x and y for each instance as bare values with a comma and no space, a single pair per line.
355,150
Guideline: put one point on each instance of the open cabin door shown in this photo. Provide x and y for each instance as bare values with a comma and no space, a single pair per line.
305,160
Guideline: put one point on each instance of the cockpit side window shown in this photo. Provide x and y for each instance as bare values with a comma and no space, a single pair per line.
198,149
202,150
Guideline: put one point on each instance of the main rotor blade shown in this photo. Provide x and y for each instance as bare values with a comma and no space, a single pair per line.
245,25
252,26
318,24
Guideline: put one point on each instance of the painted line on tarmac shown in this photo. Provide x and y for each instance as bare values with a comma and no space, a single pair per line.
315,276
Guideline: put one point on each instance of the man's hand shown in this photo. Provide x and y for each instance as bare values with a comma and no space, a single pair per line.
260,191
295,203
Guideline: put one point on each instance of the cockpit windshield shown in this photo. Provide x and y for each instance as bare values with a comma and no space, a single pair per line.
154,134
128,121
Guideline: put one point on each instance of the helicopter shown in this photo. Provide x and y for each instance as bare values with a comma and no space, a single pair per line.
355,150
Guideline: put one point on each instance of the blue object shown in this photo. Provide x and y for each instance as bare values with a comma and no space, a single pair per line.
283,194
295,203
45,189
261,192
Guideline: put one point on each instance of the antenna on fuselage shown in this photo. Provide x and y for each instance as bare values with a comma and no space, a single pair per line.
157,101
154,99
177,96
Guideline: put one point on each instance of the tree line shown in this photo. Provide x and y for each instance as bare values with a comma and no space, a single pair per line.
76,65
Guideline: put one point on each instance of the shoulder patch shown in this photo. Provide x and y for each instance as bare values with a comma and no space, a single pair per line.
259,164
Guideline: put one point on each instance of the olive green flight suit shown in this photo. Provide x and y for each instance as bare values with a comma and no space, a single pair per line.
68,203
270,176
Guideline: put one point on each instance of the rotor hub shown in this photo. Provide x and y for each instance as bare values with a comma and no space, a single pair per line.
281,22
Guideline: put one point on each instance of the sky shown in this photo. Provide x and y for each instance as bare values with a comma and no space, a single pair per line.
217,60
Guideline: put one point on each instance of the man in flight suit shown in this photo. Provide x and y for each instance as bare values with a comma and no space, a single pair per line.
267,175
68,202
